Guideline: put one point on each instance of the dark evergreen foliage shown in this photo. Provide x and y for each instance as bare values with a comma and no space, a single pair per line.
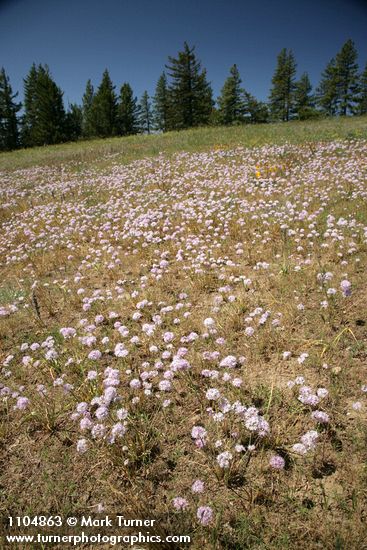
256,112
231,104
283,87
74,122
29,119
190,93
327,91
9,135
347,78
44,118
338,91
184,100
103,110
145,114
215,118
88,122
161,105
362,100
128,112
304,103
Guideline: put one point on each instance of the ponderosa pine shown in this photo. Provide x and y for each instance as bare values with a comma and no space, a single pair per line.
190,92
43,122
9,135
104,108
231,105
161,105
281,100
145,114
127,111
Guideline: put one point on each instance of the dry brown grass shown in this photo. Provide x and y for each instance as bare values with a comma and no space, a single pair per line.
319,500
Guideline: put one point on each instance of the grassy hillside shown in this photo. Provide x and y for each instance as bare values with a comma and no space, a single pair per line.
183,337
135,147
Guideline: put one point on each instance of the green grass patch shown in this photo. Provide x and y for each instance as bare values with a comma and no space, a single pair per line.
126,149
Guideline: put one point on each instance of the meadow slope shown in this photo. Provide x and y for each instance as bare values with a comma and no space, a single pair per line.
183,335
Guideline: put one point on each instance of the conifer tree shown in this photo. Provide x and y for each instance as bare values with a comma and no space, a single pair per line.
190,93
347,78
231,105
283,86
128,111
104,109
362,100
327,90
304,104
44,117
87,111
51,112
161,105
29,119
145,114
9,136
215,118
73,122
255,111
338,91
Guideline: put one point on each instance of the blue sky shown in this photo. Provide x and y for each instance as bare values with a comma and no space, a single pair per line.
79,38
